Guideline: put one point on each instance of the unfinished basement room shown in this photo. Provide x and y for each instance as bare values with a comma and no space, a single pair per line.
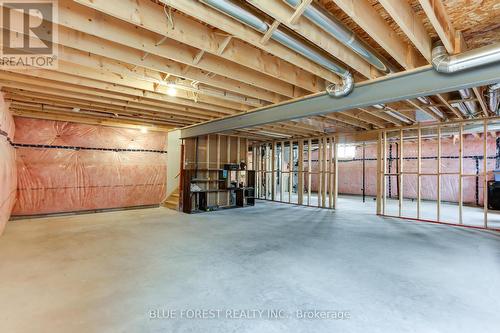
250,166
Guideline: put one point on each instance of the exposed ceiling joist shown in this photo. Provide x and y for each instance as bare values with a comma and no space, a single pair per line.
282,13
150,16
422,82
218,20
436,12
411,25
367,18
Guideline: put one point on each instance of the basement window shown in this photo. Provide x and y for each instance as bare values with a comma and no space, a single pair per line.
346,152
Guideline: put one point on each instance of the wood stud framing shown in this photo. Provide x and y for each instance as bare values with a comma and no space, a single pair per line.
321,153
438,131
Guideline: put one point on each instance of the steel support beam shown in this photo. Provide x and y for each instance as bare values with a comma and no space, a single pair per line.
423,81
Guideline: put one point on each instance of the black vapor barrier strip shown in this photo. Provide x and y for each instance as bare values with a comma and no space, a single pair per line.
23,145
480,157
2,133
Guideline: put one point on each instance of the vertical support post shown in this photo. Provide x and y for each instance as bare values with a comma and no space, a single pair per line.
217,195
335,173
460,173
256,169
364,172
325,171
439,174
290,173
384,163
320,171
282,171
400,173
330,174
300,173
228,160
269,170
309,176
485,169
259,163
238,159
419,171
380,173
246,152
207,161
273,171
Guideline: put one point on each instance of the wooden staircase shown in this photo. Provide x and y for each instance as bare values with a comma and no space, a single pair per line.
172,201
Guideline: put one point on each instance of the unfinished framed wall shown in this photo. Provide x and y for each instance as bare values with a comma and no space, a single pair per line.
207,155
302,172
439,172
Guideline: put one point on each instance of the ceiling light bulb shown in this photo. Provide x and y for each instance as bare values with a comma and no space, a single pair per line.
144,130
171,91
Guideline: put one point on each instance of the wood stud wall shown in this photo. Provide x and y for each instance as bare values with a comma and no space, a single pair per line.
208,154
273,174
397,135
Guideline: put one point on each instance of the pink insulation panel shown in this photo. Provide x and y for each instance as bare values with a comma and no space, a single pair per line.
57,178
8,174
350,172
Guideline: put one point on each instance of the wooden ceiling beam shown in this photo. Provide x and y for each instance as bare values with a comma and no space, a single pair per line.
87,21
75,69
348,120
108,50
82,119
437,15
43,88
456,112
479,95
282,13
335,123
150,16
409,22
363,13
34,75
382,115
225,23
55,101
152,76
424,109
42,108
366,117
37,93
98,115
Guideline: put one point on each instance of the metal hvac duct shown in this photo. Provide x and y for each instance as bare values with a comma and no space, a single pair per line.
335,28
392,113
494,97
229,8
426,101
445,63
463,109
471,105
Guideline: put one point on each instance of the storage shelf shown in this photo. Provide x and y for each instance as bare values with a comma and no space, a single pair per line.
206,180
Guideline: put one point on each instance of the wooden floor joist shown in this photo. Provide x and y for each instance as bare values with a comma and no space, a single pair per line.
126,57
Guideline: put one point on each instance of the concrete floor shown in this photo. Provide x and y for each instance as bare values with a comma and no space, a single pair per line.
472,216
106,272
